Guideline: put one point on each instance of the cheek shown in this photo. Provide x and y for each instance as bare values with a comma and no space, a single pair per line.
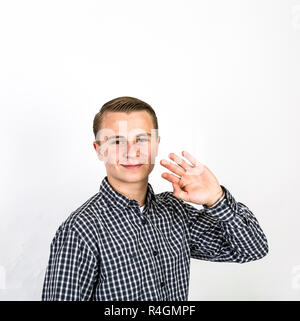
151,154
111,157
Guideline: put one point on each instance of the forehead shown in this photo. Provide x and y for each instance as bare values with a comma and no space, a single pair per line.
131,120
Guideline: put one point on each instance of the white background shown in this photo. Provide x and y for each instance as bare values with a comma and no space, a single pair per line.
224,80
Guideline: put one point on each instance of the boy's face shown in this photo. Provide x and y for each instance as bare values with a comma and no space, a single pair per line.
136,143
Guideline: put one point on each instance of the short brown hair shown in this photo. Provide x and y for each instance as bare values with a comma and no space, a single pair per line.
124,104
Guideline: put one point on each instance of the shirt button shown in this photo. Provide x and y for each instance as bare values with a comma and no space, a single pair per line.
155,253
144,222
162,284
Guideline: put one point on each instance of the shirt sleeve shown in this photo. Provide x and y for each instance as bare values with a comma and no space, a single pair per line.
71,270
225,232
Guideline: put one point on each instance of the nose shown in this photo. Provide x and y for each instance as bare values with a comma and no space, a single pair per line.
133,150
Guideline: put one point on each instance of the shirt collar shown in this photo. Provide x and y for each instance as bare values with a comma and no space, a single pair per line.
109,194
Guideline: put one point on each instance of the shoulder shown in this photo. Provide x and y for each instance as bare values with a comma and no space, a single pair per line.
165,197
172,202
178,205
168,198
81,223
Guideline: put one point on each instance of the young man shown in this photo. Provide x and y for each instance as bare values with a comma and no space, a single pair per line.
127,243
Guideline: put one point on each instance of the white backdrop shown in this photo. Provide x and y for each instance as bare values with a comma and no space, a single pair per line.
224,79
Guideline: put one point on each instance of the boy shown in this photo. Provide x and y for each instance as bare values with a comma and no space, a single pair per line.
127,243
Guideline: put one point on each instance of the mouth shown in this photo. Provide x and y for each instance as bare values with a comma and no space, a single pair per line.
132,166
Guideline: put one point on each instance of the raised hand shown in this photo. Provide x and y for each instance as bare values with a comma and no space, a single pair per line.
194,182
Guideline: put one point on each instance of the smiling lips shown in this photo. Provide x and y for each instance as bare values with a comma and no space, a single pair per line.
132,166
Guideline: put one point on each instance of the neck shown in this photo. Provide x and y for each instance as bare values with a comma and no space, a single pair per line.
136,191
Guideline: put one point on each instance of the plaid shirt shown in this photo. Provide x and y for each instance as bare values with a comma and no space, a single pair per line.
108,249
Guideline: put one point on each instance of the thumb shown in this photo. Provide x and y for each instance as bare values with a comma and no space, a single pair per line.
178,192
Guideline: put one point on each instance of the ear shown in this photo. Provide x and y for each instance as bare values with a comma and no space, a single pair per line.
157,145
98,150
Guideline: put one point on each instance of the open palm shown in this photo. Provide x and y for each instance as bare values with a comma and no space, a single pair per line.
193,182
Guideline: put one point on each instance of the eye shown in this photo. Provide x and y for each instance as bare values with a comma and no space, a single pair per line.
118,142
143,139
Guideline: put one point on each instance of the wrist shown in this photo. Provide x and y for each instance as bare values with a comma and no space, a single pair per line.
216,200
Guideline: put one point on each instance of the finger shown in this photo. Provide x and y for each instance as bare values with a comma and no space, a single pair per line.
196,164
170,177
172,167
191,158
181,162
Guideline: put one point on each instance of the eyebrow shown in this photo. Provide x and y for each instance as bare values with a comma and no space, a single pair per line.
138,135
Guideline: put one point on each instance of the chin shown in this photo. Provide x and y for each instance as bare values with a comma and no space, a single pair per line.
130,175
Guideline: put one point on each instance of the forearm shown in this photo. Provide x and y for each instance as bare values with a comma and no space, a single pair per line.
240,229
